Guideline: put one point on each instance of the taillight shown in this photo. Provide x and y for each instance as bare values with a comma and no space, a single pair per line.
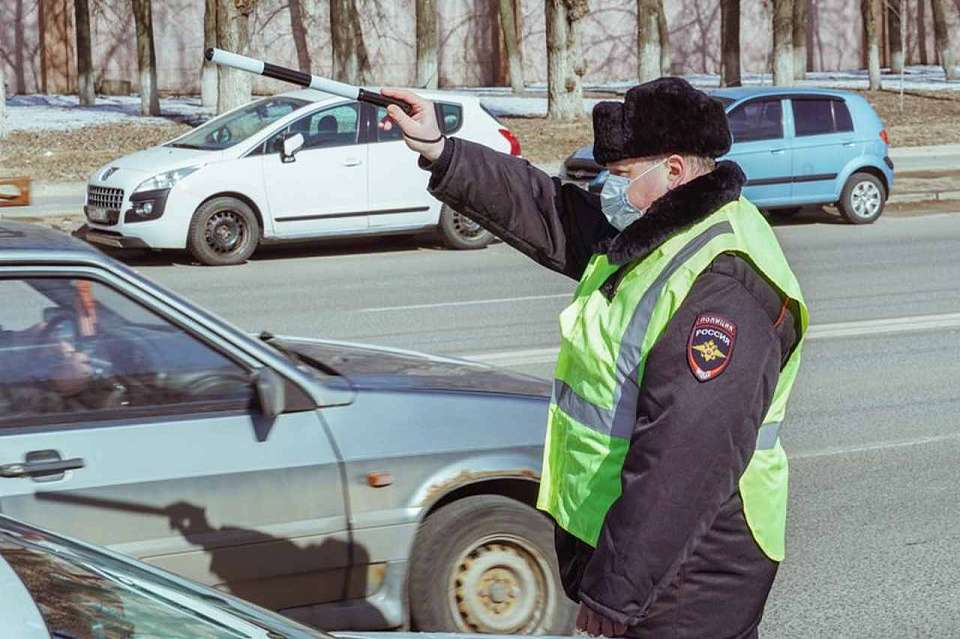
885,137
512,139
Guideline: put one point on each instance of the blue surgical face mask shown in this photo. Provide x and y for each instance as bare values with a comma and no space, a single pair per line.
615,204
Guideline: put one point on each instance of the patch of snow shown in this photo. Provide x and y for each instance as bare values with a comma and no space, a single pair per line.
60,112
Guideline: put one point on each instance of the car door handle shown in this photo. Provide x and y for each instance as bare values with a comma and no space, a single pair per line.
351,162
849,144
777,151
29,469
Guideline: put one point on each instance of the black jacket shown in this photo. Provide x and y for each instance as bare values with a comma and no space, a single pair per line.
675,556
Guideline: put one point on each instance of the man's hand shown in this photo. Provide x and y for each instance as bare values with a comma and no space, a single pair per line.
422,124
595,624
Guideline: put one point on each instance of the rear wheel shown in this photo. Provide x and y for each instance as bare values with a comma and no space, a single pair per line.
223,231
460,232
486,564
862,199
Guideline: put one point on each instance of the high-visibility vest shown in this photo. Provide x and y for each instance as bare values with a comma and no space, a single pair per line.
604,347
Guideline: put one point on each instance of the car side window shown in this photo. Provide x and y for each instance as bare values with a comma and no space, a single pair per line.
76,348
756,120
384,134
820,117
451,117
336,126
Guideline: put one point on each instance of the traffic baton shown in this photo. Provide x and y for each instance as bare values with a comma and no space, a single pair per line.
252,65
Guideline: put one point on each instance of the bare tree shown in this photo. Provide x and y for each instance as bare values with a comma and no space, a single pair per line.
3,105
350,60
871,35
922,31
895,34
666,54
941,36
19,47
511,40
299,28
565,64
85,88
428,76
782,42
146,57
233,34
648,40
209,72
801,13
730,43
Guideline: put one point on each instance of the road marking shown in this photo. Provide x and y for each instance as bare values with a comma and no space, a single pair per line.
851,450
820,331
497,300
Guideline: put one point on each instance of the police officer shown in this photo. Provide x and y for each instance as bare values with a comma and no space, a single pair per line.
662,467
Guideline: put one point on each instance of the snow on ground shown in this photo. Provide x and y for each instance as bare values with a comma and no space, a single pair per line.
59,112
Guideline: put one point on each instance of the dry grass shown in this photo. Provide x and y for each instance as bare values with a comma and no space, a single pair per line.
927,118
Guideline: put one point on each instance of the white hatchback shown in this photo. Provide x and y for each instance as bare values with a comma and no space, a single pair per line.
299,165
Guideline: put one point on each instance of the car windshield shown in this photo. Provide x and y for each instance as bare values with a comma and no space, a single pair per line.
84,593
235,127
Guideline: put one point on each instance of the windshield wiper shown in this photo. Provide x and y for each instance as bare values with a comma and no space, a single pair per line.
181,145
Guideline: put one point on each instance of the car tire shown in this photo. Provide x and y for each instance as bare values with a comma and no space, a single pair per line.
223,231
487,564
460,232
862,199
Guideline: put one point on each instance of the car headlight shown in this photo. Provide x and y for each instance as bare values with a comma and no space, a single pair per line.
165,180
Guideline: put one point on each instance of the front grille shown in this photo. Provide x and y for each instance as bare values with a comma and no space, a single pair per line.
104,197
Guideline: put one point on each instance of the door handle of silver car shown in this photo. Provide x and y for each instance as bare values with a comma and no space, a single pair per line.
777,151
28,469
351,162
849,144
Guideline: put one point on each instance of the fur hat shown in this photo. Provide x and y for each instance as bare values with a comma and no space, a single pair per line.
657,118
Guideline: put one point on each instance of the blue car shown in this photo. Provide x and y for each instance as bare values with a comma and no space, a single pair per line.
798,147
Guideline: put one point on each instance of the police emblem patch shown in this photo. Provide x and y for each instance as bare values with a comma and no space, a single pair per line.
710,346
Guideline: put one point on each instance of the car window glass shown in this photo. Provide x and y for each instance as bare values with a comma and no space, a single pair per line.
79,602
757,120
842,117
451,117
336,126
813,117
384,135
231,128
76,346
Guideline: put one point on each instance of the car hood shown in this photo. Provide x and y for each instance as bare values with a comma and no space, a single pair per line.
386,368
159,159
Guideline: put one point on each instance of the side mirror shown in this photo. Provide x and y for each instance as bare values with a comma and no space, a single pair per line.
291,145
271,392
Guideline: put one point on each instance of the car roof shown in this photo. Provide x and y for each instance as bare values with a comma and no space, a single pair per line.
20,241
312,95
739,93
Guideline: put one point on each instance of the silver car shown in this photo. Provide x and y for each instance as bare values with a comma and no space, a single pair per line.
346,486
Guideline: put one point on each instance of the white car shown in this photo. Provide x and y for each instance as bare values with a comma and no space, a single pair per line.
299,165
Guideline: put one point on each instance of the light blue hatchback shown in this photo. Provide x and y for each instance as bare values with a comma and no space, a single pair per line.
798,147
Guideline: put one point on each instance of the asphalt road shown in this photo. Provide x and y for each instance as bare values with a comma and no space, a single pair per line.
874,547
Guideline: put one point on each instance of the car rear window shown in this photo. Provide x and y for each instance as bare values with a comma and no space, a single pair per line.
820,117
756,120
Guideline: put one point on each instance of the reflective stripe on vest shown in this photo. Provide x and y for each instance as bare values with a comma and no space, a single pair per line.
604,346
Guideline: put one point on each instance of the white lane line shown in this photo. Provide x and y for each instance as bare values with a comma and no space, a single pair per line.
497,300
821,331
852,450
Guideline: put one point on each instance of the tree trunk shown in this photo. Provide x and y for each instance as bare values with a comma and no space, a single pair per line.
801,12
565,65
19,47
895,34
730,43
648,40
209,71
3,106
233,34
511,40
922,31
428,74
871,30
666,54
299,28
782,42
350,61
146,57
941,35
85,88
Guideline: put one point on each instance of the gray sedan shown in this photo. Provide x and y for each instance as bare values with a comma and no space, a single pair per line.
347,486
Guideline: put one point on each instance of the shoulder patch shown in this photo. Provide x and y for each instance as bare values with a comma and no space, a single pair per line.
710,346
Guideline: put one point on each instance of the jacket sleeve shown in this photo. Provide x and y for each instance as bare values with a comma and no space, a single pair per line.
690,445
555,225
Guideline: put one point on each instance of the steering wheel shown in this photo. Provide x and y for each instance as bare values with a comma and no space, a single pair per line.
221,135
